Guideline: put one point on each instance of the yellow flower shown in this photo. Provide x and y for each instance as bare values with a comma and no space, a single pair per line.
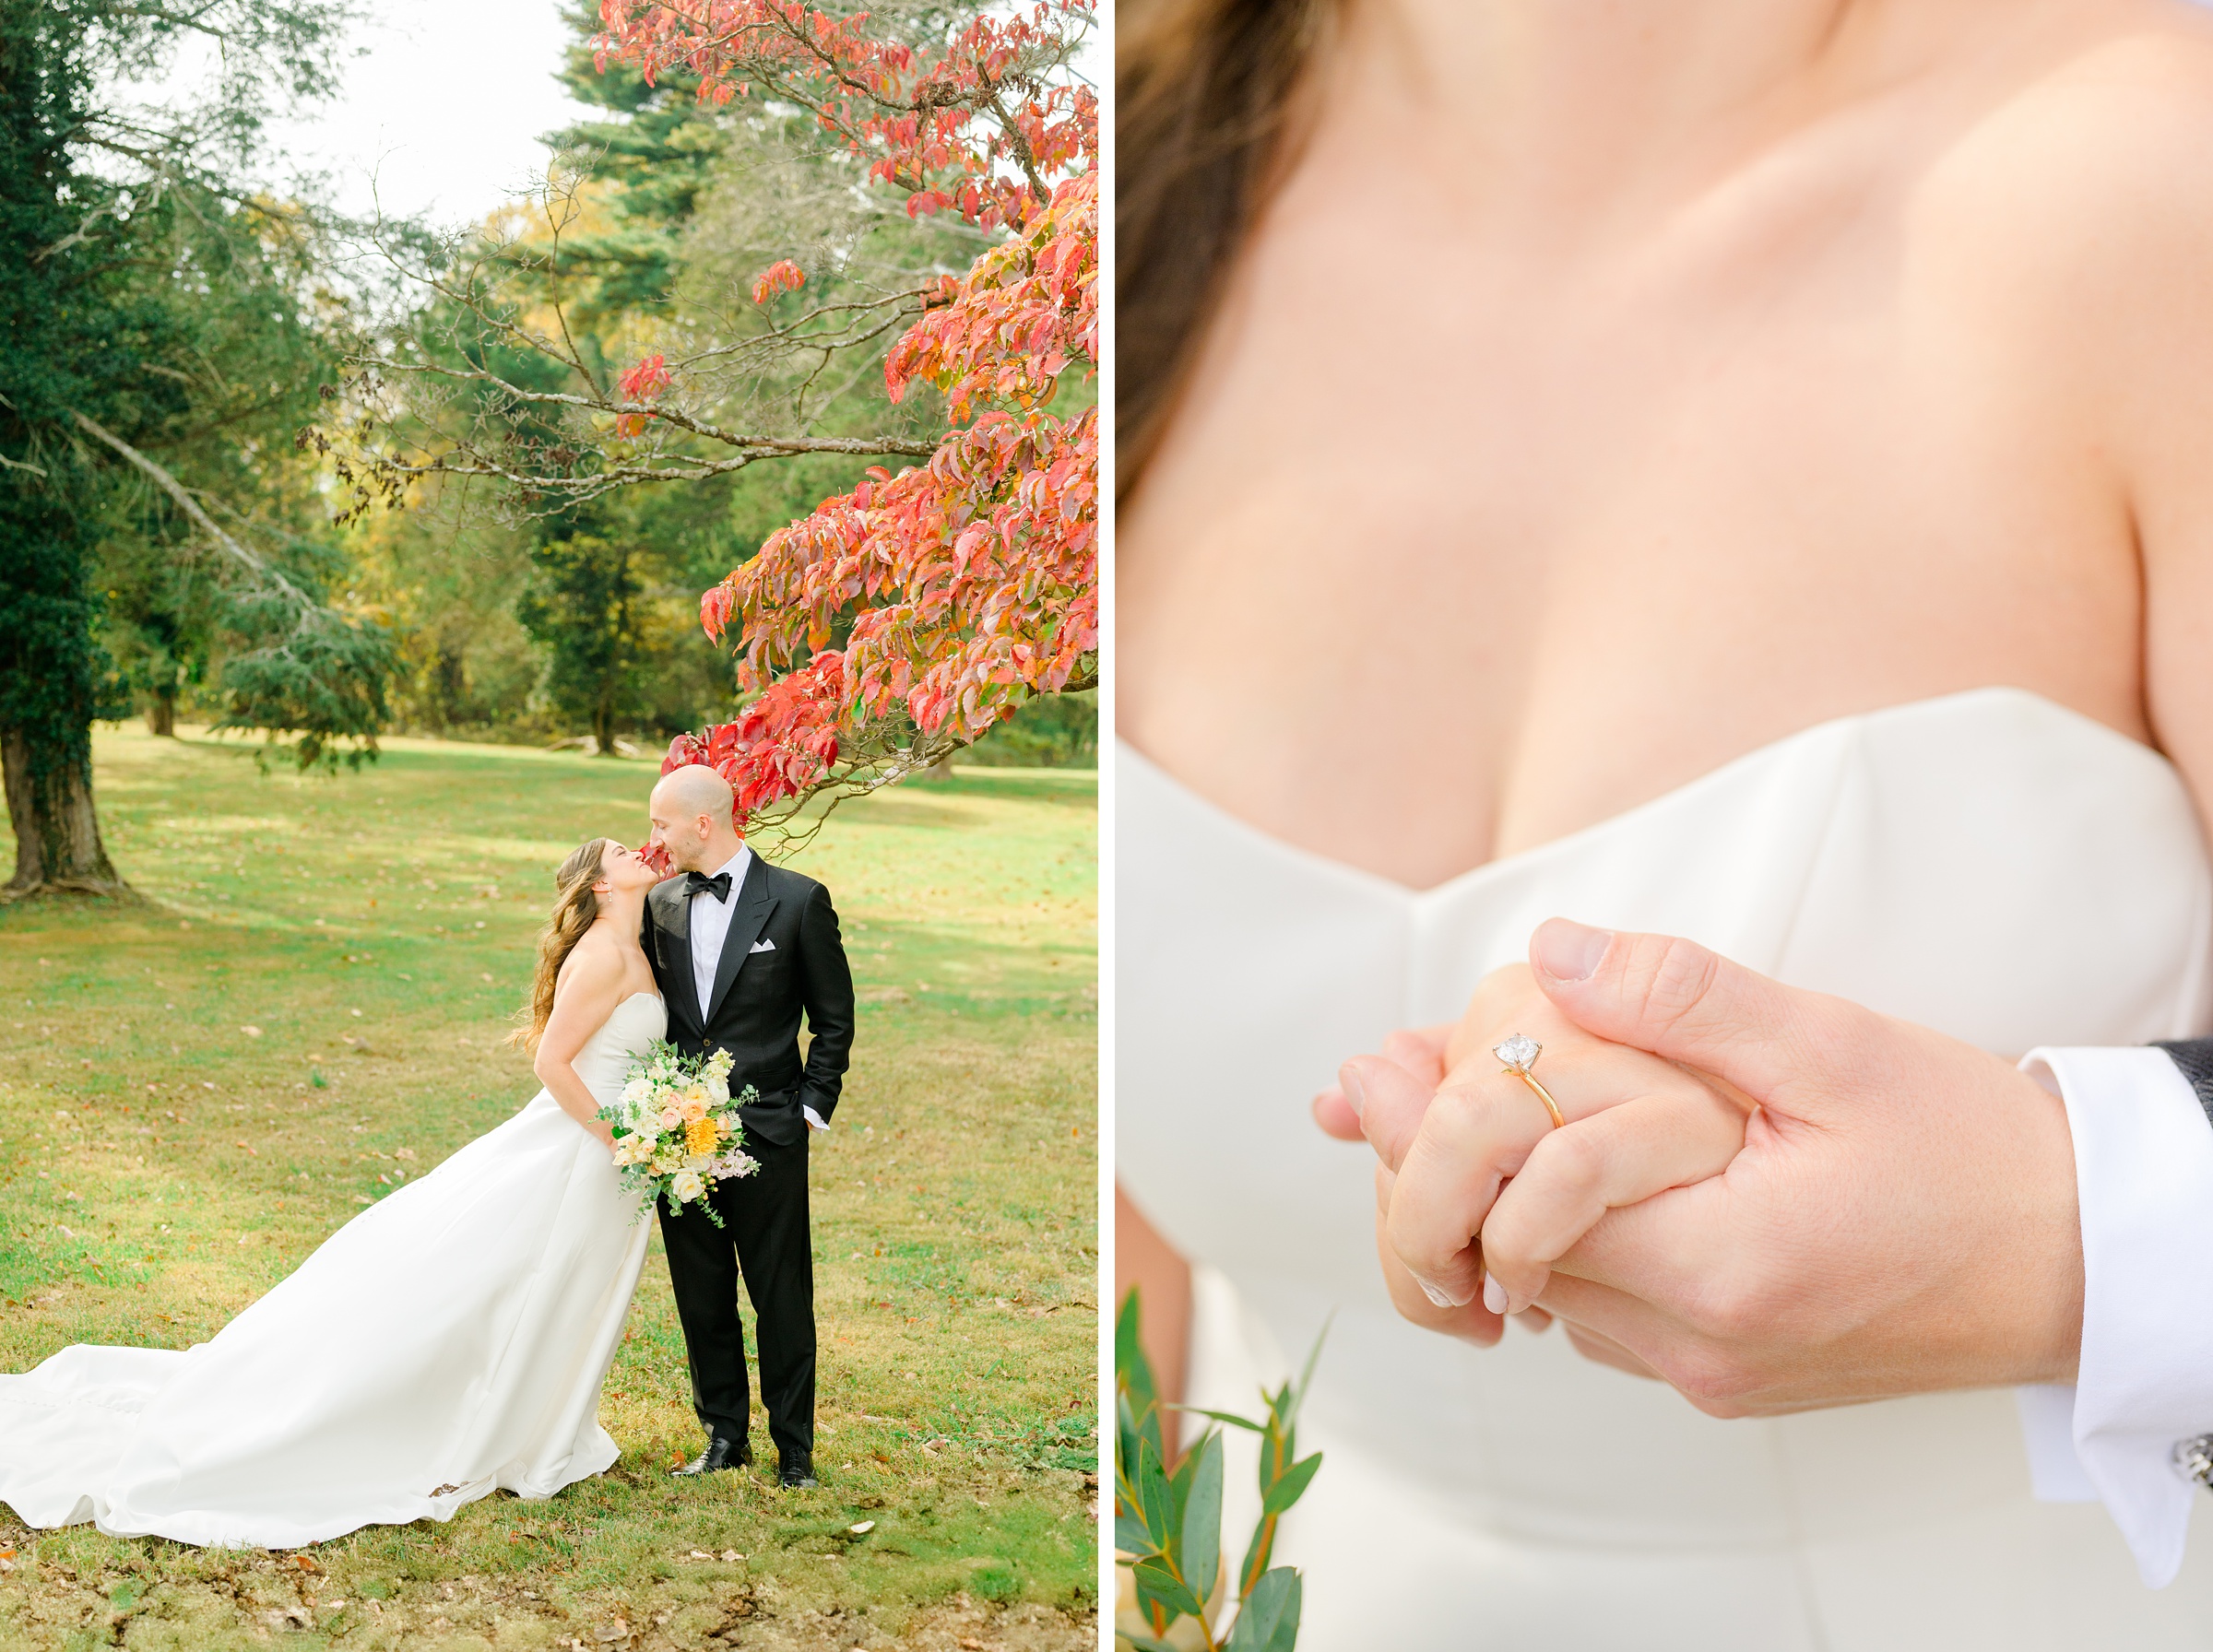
699,1135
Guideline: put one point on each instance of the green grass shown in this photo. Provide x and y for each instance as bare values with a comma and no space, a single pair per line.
163,1164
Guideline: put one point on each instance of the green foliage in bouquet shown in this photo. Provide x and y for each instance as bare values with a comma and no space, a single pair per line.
1168,1523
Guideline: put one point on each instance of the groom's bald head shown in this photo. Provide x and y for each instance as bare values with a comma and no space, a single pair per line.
696,789
693,817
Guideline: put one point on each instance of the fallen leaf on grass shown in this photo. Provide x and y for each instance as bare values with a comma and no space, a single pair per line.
865,1525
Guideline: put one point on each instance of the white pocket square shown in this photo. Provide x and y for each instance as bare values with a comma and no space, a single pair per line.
760,946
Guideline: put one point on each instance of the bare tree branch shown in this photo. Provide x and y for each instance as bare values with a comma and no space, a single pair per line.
191,507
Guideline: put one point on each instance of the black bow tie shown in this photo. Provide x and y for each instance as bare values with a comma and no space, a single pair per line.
698,884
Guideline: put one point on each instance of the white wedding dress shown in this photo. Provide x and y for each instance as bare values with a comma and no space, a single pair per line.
448,1342
1988,864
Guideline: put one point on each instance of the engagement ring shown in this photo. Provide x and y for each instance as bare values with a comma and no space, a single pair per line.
1519,1053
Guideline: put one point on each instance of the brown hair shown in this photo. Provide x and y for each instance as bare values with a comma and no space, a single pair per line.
576,909
1203,92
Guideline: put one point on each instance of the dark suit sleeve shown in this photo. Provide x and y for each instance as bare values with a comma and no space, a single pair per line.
2194,1056
827,983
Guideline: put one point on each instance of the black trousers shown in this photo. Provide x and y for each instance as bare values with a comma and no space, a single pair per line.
765,1236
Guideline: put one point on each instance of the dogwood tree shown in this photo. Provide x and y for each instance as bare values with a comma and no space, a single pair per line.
907,615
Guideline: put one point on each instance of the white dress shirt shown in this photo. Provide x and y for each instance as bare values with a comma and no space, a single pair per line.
2144,1176
710,928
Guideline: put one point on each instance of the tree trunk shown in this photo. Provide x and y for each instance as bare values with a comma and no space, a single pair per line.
57,831
603,724
449,676
162,714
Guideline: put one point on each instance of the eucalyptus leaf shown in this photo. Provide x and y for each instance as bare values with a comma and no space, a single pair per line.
1155,1579
1203,1518
1133,1537
1155,1609
1154,1507
1269,1622
1291,1486
1306,1377
1228,1417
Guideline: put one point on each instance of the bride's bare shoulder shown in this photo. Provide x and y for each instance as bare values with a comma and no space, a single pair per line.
2071,220
596,961
2112,120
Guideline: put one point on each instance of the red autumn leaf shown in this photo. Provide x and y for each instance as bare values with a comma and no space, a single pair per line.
782,276
966,585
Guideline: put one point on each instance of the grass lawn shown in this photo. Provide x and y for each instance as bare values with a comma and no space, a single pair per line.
308,1008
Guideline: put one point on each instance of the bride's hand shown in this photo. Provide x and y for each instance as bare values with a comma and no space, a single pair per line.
602,1132
1902,1218
1636,1125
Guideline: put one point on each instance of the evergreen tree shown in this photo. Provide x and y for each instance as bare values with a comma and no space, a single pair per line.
160,338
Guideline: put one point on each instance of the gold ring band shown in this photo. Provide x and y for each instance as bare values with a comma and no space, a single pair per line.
1518,1054
1544,1094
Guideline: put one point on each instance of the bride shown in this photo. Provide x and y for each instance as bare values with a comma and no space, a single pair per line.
448,1342
1728,470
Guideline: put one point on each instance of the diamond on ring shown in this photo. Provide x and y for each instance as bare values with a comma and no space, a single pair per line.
2193,1460
1519,1053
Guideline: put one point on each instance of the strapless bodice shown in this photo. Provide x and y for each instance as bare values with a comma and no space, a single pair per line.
604,1062
1988,863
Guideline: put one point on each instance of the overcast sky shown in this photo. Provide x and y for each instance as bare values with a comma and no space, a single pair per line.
446,109
445,106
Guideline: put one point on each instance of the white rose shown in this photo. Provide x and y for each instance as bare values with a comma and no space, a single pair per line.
687,1185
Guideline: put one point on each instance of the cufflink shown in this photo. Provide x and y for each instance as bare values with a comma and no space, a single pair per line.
2194,1460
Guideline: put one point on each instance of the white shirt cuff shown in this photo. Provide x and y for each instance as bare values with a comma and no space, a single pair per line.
813,1118
2144,1176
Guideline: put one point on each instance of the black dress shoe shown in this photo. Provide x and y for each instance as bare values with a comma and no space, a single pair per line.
795,1471
721,1453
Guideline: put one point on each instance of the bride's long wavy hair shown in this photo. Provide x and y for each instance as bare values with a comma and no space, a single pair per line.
576,909
1205,125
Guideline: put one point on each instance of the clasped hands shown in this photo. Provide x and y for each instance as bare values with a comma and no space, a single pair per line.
1772,1200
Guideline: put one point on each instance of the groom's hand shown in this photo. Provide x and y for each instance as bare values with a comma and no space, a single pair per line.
1901,1219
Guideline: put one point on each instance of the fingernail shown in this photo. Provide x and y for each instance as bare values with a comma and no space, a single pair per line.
1568,951
1494,1294
1437,1294
1348,1080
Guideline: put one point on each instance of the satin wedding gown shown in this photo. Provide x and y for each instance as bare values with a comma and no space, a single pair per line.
448,1342
1988,864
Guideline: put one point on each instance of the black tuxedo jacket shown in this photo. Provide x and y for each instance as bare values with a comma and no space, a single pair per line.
760,995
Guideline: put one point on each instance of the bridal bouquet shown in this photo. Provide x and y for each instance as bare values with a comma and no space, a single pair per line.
676,1127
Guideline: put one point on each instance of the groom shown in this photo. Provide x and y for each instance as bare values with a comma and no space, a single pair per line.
739,949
